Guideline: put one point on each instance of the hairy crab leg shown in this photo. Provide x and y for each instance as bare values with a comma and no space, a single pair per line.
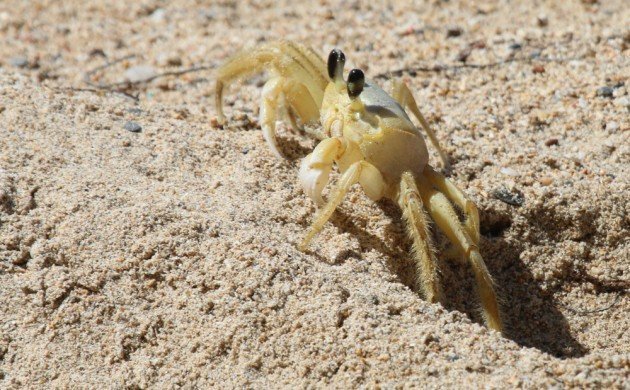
445,217
417,227
449,189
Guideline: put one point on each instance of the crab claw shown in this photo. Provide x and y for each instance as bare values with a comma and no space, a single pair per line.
313,177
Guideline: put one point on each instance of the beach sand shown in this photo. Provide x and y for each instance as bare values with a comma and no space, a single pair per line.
141,246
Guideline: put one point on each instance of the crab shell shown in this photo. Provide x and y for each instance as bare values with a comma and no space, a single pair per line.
378,125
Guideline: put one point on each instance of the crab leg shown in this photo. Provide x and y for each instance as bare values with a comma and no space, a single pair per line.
417,228
360,172
445,186
402,94
445,217
286,59
315,168
296,95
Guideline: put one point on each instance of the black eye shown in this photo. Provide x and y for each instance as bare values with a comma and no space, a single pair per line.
336,61
356,81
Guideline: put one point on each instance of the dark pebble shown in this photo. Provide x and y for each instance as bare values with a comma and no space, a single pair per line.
453,32
515,46
97,53
133,127
538,69
515,198
464,54
605,91
18,62
551,142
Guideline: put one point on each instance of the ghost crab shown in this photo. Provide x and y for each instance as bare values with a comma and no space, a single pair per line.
374,143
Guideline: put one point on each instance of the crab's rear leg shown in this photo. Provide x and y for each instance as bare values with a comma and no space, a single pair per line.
411,204
286,59
456,196
445,217
402,94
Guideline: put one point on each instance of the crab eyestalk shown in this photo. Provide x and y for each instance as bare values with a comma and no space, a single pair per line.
356,81
336,61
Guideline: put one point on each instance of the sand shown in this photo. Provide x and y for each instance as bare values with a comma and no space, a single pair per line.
143,247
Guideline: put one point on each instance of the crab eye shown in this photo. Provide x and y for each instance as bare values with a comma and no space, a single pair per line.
336,61
356,80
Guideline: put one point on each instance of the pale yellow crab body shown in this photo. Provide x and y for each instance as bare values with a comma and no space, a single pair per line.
379,127
366,133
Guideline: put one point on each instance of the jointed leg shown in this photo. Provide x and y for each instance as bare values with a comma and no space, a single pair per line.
360,172
282,58
295,94
445,217
417,228
316,166
449,189
402,94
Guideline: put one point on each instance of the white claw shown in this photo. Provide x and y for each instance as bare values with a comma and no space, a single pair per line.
270,95
269,133
313,177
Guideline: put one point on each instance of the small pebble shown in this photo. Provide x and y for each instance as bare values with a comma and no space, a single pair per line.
605,92
542,21
514,198
582,103
509,172
18,62
546,180
134,111
612,126
515,46
538,69
551,142
133,127
158,16
623,102
139,73
168,59
464,54
452,358
174,61
214,122
453,31
97,52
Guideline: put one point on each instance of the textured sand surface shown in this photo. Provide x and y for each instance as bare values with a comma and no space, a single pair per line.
167,257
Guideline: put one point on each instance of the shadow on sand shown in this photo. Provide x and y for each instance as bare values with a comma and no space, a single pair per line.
531,317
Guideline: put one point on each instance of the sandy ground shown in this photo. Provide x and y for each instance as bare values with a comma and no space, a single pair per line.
167,257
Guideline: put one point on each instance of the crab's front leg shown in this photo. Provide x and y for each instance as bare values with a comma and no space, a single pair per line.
315,168
315,171
298,98
360,172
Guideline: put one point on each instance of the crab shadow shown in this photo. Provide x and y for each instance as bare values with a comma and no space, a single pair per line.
531,317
